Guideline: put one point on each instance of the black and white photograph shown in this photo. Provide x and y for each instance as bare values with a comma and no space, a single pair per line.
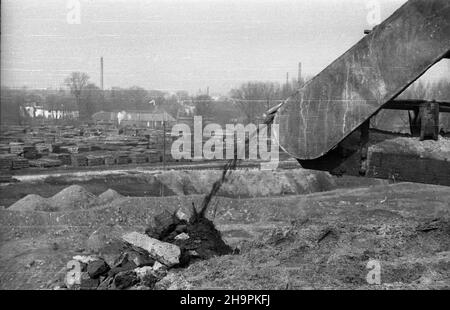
237,147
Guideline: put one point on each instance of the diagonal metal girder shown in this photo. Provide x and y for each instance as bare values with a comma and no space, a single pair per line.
357,85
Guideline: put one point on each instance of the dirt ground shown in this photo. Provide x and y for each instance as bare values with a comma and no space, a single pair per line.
243,183
321,240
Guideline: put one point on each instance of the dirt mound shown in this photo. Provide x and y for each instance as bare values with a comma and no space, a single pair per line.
72,198
171,183
109,195
249,183
32,203
439,150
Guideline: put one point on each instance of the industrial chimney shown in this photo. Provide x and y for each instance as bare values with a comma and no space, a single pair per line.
299,78
101,72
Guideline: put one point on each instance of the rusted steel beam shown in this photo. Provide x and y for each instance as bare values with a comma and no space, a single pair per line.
429,117
411,105
364,141
360,82
382,158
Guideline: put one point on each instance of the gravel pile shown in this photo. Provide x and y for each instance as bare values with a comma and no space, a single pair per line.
109,196
74,197
32,203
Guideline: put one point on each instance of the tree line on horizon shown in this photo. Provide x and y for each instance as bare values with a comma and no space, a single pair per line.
245,104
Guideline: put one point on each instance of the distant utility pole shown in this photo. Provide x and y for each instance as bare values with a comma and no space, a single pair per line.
101,72
164,141
299,78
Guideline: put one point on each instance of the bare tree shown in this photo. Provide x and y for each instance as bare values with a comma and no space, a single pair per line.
203,105
269,93
77,81
91,100
392,119
254,98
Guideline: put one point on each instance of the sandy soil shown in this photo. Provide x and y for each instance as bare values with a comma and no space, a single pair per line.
314,241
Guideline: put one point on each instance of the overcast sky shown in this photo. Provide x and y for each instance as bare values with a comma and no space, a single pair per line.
182,44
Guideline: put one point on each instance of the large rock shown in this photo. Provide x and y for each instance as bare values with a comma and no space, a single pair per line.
182,236
125,279
181,215
85,259
87,283
166,253
130,259
160,270
147,276
97,268
122,263
140,258
162,224
106,284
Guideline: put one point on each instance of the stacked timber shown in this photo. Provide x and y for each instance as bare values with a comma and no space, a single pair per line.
122,158
169,157
45,163
109,160
79,160
16,148
4,149
95,160
138,158
6,161
83,148
43,148
72,149
30,152
56,148
63,157
96,147
20,163
153,156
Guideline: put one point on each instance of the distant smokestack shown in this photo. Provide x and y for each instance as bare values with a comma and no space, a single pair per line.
101,72
207,91
287,78
299,78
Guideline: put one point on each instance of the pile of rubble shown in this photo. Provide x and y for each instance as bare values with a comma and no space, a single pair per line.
146,260
133,268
